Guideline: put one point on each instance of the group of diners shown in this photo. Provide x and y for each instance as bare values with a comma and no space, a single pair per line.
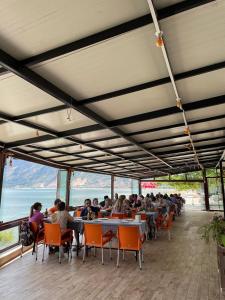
58,214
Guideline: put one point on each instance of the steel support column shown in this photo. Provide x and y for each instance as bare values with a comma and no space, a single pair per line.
139,187
112,187
68,179
206,190
222,185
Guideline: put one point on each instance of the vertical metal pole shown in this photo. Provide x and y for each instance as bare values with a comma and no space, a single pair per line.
2,166
112,187
68,178
206,190
222,185
139,186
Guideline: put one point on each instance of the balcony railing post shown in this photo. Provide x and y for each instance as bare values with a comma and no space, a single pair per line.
2,167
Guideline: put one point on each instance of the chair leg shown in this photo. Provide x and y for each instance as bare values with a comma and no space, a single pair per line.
94,251
139,252
36,251
118,257
102,255
21,252
136,255
110,250
84,252
123,254
60,250
43,255
142,255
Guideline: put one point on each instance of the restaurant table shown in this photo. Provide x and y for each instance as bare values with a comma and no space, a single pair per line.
112,224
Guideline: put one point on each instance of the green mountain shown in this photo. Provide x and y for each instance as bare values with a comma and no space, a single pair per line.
24,174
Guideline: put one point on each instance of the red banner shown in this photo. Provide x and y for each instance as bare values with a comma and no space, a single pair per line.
149,185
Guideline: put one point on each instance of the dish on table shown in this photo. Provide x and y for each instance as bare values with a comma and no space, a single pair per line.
102,219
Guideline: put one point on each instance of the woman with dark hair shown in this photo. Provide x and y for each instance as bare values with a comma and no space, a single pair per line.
61,216
35,213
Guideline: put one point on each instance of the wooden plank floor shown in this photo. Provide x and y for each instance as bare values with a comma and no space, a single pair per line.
184,268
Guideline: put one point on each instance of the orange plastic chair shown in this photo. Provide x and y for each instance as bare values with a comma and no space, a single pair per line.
94,237
77,213
129,238
38,237
118,215
54,236
167,225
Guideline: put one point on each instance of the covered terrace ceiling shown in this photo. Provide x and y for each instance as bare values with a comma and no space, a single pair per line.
83,85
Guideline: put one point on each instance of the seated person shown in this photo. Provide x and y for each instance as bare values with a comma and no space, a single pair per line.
35,214
53,209
95,202
61,216
102,204
88,210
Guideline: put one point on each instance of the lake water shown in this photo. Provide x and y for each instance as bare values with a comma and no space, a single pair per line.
16,203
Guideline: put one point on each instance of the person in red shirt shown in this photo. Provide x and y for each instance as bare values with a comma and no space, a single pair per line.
53,209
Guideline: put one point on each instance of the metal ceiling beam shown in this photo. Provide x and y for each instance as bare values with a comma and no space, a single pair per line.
30,76
111,32
168,111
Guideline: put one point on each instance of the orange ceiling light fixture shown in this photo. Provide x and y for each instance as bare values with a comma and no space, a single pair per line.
187,130
159,39
179,103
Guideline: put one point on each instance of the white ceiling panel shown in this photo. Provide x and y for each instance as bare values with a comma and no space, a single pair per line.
66,157
59,120
94,135
80,161
206,112
159,134
111,143
11,132
53,143
169,142
154,123
136,153
46,153
93,154
219,133
25,23
18,96
124,149
215,142
201,87
76,148
128,60
194,38
136,103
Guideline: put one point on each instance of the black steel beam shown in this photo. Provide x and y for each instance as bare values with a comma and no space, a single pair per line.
112,32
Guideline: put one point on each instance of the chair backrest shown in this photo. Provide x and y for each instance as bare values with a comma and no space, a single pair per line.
34,227
118,215
129,237
93,234
52,234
